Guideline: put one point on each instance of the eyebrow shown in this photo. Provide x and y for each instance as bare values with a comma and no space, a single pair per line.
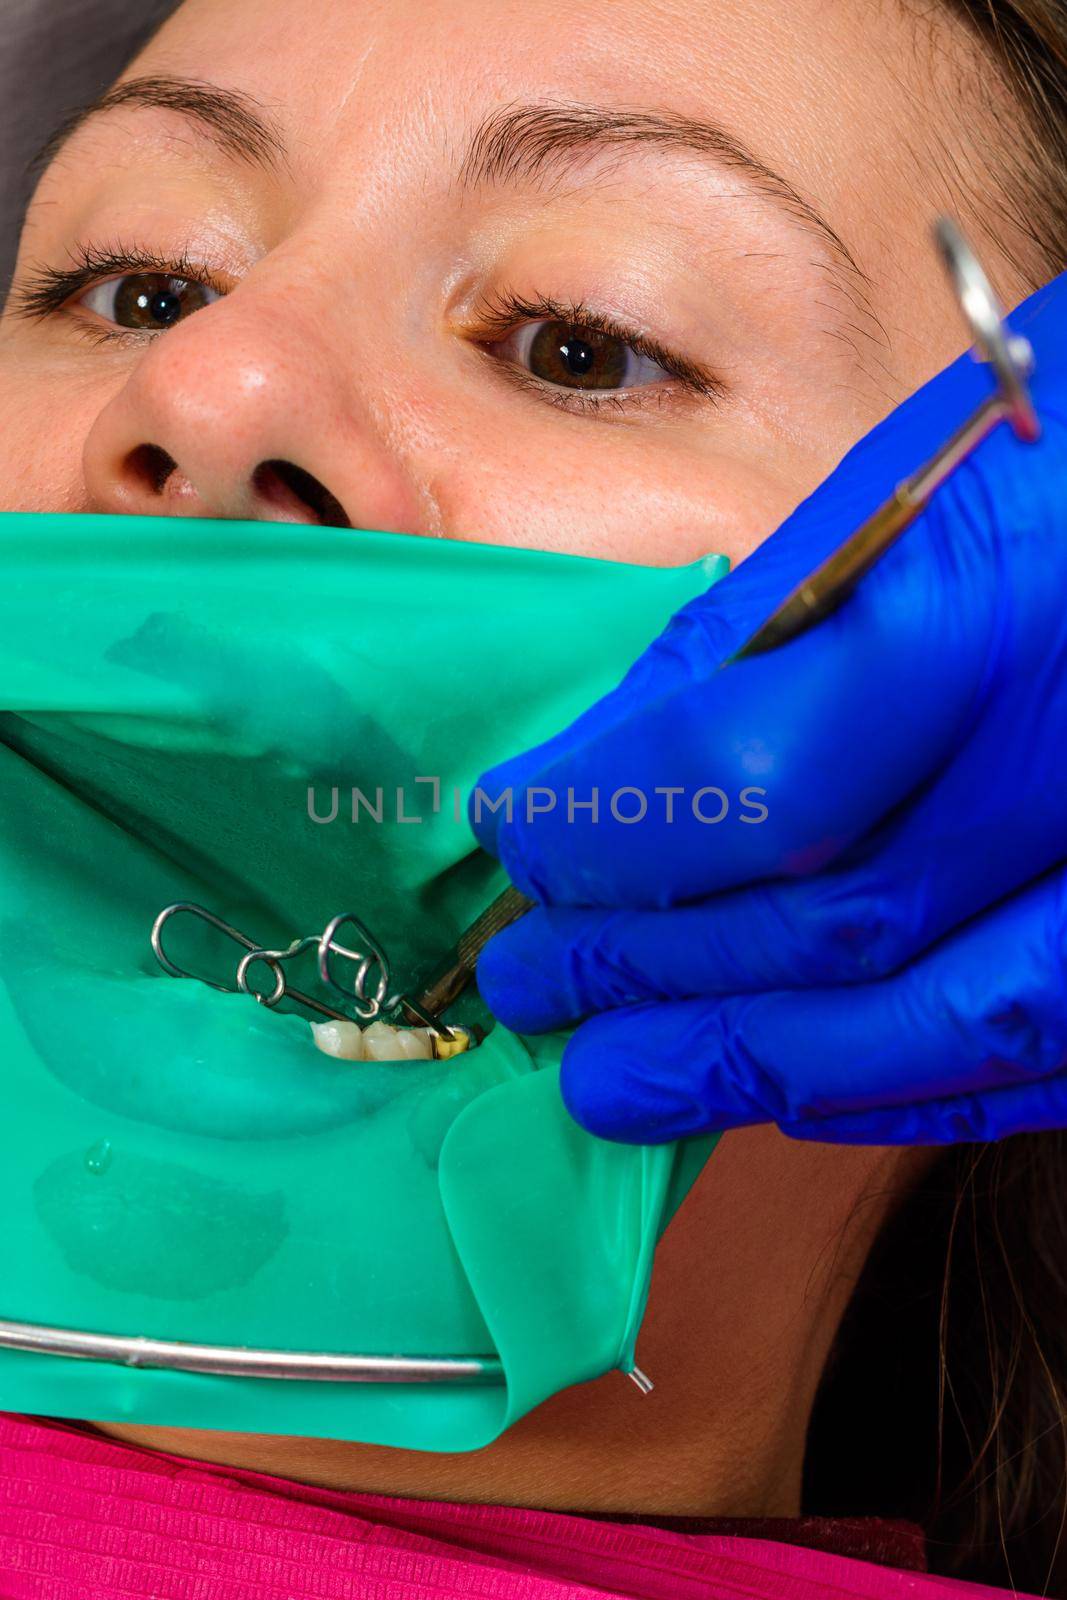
237,124
519,141
525,140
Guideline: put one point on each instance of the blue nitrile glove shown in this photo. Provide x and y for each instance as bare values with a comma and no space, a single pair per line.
883,958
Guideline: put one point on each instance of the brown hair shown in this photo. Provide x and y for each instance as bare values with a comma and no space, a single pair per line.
1026,45
945,1400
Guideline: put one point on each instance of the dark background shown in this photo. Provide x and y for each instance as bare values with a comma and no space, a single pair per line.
54,56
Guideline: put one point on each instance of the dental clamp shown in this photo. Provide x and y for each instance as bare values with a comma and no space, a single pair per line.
366,996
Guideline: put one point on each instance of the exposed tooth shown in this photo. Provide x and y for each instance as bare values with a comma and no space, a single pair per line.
444,1049
347,1041
413,1044
341,1039
383,1043
378,1042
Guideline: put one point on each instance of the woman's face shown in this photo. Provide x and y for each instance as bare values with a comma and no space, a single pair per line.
624,280
619,279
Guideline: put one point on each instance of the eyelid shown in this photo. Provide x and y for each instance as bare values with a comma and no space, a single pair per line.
645,397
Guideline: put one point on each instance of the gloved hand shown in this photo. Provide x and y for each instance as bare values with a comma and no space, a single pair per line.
883,957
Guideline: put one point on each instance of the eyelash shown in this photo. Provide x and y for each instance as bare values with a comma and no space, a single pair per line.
48,292
500,312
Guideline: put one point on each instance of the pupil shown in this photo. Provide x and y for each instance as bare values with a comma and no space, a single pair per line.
163,307
578,355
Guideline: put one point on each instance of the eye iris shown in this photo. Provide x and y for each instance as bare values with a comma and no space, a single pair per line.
576,357
150,300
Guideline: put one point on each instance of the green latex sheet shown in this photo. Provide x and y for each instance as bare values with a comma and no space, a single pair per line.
183,1164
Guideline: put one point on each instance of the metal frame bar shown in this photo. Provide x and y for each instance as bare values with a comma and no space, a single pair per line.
236,1361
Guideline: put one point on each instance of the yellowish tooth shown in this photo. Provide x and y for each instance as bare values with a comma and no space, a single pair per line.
341,1039
444,1049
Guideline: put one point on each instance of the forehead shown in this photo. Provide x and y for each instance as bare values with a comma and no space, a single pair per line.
387,83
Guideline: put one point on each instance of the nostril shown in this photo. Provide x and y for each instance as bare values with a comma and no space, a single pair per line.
278,481
151,466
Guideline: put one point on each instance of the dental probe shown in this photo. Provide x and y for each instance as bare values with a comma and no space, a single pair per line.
1012,361
453,976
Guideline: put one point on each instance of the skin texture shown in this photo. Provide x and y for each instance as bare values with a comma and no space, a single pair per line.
351,343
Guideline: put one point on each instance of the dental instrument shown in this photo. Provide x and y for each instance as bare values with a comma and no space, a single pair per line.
457,969
1011,359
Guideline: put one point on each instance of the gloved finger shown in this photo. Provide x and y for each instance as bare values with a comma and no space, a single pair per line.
560,963
864,918
985,1011
977,1118
708,630
771,767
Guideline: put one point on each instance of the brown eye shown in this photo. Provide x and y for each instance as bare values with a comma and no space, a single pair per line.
581,358
570,356
147,301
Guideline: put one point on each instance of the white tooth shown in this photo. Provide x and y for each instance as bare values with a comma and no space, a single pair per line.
383,1043
341,1039
414,1044
379,1042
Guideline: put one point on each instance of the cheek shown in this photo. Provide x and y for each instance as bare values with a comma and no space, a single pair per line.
614,500
44,422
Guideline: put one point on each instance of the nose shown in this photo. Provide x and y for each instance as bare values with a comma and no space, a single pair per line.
228,414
